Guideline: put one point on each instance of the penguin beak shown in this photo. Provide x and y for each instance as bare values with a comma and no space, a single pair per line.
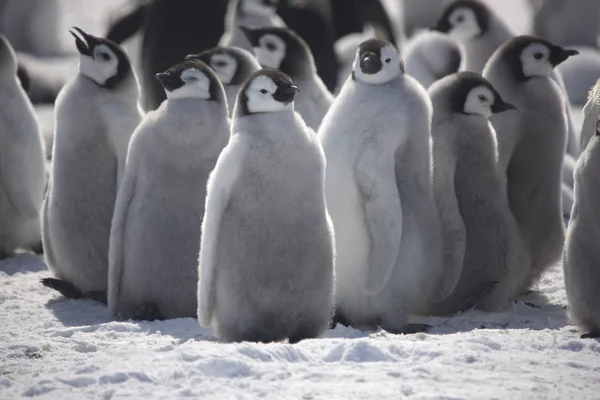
443,26
251,34
83,43
169,81
192,57
285,93
501,106
370,63
558,55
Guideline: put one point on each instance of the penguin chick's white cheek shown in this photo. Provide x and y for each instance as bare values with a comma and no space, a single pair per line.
271,51
195,85
101,67
225,66
390,68
464,24
479,101
260,96
536,60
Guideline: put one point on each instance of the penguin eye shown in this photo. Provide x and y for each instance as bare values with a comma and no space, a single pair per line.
220,64
190,79
483,98
538,56
263,91
271,46
388,60
460,19
104,56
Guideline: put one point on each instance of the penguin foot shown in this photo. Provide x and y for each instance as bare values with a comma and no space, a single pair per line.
65,288
408,329
38,248
338,318
478,294
147,312
99,296
591,335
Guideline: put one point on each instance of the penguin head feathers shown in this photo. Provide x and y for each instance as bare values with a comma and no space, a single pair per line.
376,62
191,79
464,20
232,65
282,49
530,56
267,90
102,61
470,94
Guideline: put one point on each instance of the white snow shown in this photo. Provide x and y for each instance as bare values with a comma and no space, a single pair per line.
51,347
55,348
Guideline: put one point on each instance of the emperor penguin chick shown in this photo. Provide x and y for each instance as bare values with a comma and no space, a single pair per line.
282,49
582,254
232,65
249,14
591,114
22,163
153,258
376,138
267,248
96,113
480,233
531,143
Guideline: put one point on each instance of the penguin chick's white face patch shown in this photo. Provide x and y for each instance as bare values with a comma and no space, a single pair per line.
102,66
464,24
479,102
260,94
536,60
195,85
271,51
373,71
225,66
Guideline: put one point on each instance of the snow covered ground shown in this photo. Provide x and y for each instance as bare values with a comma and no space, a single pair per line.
55,348
51,347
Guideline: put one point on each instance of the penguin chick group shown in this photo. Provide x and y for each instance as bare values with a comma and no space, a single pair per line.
256,201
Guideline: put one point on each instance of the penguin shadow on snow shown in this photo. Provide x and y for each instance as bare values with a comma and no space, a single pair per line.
22,263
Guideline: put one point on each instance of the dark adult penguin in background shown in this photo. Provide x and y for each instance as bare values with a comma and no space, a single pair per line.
172,29
350,16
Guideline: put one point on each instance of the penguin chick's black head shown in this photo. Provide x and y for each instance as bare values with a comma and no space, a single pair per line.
469,93
530,56
282,49
377,62
469,17
191,79
232,65
102,60
267,90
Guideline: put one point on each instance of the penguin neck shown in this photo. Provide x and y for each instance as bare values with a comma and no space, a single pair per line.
270,124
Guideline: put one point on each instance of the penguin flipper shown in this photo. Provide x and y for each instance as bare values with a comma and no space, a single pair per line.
147,312
14,170
65,288
218,192
383,216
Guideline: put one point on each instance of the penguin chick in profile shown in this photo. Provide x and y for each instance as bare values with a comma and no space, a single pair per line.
96,113
282,49
481,237
430,56
250,14
582,254
376,138
267,248
232,65
153,271
22,162
531,143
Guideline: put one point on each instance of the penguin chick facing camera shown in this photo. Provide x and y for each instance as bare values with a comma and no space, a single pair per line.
154,239
96,113
267,248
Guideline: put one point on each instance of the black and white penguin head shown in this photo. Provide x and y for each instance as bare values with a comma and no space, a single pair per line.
469,93
464,20
103,61
530,56
8,59
257,7
282,49
376,62
191,79
232,65
267,90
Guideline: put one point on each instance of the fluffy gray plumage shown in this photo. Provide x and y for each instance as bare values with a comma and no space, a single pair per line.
22,163
582,253
155,231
